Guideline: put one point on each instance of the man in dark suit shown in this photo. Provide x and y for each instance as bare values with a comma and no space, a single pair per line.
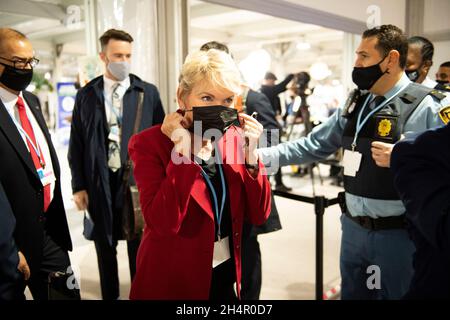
103,122
30,172
422,177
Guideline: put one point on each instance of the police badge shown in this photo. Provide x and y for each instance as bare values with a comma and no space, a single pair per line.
444,114
385,127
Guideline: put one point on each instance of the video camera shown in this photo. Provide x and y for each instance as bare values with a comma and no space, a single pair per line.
301,81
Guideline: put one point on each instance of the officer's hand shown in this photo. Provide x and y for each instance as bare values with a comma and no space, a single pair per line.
81,200
23,266
381,153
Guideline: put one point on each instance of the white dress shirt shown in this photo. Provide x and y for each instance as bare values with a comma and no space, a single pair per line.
9,101
108,88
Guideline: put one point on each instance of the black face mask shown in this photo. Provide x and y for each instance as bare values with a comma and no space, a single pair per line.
365,77
443,82
413,75
215,117
16,79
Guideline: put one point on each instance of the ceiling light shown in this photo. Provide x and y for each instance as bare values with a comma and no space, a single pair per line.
303,46
319,71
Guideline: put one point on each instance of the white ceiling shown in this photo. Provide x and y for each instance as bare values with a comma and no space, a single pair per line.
244,31
44,24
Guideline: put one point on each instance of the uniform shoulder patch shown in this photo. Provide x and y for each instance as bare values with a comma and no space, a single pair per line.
439,95
444,114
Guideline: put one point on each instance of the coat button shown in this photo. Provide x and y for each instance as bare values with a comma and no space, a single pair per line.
236,234
238,246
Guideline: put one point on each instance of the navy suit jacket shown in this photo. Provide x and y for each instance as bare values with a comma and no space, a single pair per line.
9,275
421,169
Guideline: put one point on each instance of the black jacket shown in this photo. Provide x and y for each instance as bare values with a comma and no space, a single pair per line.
24,189
9,260
258,102
421,169
272,93
88,144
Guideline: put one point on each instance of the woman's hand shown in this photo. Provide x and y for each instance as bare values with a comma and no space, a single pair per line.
173,128
252,131
171,123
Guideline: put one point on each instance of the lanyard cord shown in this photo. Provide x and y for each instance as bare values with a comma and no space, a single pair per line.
218,213
360,124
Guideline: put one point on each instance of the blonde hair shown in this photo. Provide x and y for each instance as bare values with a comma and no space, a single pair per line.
214,66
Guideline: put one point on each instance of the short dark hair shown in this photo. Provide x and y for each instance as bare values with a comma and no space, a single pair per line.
427,48
389,37
215,45
270,76
446,64
116,35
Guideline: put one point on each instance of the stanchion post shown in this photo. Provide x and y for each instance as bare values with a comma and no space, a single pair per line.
319,207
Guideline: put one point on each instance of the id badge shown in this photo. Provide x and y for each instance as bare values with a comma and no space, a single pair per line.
351,162
46,176
114,134
221,251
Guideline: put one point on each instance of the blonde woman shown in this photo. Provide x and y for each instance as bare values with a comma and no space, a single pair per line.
199,177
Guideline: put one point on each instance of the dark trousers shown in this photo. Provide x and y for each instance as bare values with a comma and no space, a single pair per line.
251,266
107,253
278,178
108,267
54,259
223,279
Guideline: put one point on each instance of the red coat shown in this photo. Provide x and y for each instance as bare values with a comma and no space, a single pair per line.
174,260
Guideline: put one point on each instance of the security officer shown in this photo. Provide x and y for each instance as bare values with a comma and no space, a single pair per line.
376,251
421,170
419,62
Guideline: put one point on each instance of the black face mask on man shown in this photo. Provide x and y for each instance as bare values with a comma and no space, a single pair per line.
366,77
413,75
16,79
214,117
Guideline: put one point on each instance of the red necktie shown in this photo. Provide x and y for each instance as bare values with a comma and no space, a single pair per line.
26,126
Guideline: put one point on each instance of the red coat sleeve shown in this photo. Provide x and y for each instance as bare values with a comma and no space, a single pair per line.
165,188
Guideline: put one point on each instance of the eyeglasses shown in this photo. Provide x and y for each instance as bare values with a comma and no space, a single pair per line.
23,63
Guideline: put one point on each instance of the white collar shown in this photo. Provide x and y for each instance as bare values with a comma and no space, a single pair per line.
10,99
109,83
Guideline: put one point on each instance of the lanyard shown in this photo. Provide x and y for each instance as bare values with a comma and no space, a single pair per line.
218,213
36,147
360,124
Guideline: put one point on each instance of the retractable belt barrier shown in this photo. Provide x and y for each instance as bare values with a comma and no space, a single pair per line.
320,204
